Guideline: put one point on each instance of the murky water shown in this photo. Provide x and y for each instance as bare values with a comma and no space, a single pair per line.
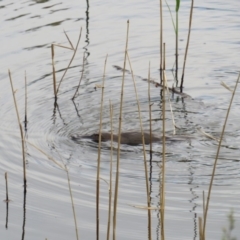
28,30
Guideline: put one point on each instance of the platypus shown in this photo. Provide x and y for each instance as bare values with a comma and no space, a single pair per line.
130,138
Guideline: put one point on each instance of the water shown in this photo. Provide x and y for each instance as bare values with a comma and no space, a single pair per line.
28,30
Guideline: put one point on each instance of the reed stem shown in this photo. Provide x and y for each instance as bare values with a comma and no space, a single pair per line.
74,53
99,154
83,65
216,158
119,140
161,42
110,177
186,51
163,162
6,180
25,121
144,153
21,133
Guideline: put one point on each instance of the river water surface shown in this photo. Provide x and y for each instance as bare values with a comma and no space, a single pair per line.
28,28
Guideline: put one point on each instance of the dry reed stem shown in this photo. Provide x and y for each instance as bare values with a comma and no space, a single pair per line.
54,72
216,158
21,133
166,86
73,207
204,203
170,104
163,162
61,46
144,150
119,140
69,183
74,53
161,42
68,40
83,65
71,195
110,177
200,228
150,111
188,40
6,181
99,154
144,207
226,86
25,101
49,157
208,135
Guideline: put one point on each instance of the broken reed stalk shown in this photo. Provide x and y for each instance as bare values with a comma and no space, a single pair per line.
110,177
161,42
83,65
6,180
162,208
74,53
21,133
72,47
144,154
99,154
25,121
216,158
64,167
71,195
49,157
69,184
188,40
119,141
